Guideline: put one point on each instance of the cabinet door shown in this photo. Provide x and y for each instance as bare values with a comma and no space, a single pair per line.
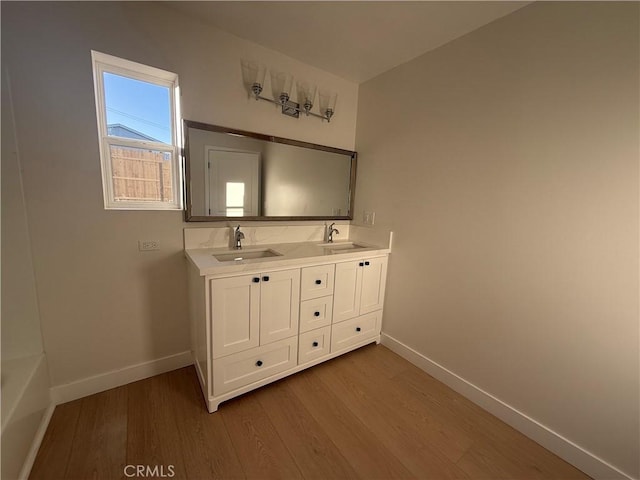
347,286
374,274
279,305
235,314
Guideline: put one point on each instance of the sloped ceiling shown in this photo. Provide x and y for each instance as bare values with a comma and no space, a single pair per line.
355,40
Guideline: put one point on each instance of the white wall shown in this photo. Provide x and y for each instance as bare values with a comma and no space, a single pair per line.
506,163
103,304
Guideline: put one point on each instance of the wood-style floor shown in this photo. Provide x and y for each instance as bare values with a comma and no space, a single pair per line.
368,414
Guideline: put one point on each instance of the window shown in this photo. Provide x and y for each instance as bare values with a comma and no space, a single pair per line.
137,108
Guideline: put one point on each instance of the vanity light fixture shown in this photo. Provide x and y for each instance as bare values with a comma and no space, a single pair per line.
253,75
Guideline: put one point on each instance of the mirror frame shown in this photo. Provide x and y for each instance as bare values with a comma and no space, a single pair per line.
189,217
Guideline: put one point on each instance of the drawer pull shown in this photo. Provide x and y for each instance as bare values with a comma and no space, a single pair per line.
358,329
318,282
316,314
265,278
255,280
259,363
367,263
315,344
361,264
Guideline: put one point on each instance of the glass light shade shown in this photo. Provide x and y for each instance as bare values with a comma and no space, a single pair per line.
281,84
328,101
252,73
306,92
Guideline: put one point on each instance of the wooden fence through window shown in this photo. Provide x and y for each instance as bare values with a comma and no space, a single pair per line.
140,174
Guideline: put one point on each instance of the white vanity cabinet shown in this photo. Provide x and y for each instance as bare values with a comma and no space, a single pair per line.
249,329
316,313
359,287
252,310
255,327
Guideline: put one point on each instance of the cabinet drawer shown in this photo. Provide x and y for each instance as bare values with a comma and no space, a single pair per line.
355,330
315,313
240,369
316,281
314,344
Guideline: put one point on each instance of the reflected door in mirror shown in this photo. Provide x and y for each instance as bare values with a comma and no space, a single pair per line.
232,188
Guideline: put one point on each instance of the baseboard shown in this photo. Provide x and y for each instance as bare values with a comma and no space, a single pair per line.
556,443
116,378
35,445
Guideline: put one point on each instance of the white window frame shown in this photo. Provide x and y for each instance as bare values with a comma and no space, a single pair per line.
107,63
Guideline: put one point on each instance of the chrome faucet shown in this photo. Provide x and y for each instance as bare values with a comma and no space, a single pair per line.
239,236
330,232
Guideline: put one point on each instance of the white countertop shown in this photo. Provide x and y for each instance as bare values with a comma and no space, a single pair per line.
292,254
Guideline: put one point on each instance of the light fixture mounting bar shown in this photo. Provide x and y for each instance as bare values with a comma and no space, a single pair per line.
288,107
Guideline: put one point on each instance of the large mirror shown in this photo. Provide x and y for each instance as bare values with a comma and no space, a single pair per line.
232,173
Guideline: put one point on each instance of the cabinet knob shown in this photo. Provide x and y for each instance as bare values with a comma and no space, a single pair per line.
255,279
315,344
361,264
367,263
318,282
265,278
316,314
259,363
358,329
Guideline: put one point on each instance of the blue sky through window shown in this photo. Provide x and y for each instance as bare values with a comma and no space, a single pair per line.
141,106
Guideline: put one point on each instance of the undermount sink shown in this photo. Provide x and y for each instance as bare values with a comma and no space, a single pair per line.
238,255
341,246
